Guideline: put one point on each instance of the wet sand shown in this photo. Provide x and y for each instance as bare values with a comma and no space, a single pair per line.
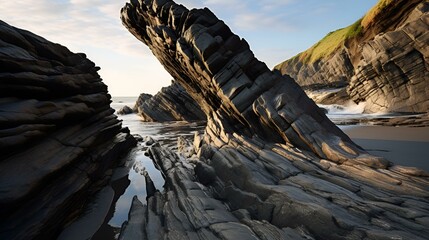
407,146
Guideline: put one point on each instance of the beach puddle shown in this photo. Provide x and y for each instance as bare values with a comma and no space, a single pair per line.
128,181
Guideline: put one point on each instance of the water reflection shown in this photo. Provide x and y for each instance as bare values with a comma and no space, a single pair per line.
129,180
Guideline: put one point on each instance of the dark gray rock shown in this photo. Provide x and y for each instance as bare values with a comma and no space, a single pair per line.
58,134
172,103
125,110
142,98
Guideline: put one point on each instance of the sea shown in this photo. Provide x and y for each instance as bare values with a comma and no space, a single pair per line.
404,146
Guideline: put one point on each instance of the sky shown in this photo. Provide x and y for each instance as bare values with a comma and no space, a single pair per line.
275,29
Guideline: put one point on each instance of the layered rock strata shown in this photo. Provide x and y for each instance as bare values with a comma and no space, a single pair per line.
386,65
58,134
270,164
172,103
250,189
233,88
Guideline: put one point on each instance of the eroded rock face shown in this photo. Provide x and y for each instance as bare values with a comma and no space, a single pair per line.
172,103
58,134
387,66
269,165
250,189
240,93
393,74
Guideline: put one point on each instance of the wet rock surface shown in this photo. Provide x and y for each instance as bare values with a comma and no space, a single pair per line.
172,103
269,165
58,135
387,66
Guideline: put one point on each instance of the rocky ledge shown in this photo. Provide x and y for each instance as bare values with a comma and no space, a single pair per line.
58,135
385,64
270,164
172,103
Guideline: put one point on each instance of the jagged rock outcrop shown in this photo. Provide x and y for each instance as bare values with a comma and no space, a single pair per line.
172,103
140,100
268,153
58,135
386,64
125,110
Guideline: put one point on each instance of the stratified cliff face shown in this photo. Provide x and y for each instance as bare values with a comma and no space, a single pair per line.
270,164
58,134
385,65
172,103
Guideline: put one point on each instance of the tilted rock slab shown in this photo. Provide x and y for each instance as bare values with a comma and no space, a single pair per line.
220,72
268,151
387,67
172,103
58,134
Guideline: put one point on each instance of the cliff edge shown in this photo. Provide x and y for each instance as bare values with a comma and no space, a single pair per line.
381,59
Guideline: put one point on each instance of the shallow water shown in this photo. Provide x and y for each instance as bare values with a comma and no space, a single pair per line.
128,180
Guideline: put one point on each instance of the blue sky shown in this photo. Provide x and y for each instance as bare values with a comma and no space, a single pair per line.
275,29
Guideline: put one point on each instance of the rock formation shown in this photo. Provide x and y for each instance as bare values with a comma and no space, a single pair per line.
172,103
384,63
58,135
125,110
270,165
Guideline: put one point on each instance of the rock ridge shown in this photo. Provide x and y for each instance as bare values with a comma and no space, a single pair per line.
239,92
171,103
58,135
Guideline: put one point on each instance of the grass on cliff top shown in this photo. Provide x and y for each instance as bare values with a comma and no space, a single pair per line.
334,40
369,17
331,42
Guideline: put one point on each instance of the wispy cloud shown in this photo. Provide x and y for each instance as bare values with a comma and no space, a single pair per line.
75,23
260,21
261,15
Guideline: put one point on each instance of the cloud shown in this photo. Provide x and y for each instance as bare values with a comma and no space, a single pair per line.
259,21
78,24
261,15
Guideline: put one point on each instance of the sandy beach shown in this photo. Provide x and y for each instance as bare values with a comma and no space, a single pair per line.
407,146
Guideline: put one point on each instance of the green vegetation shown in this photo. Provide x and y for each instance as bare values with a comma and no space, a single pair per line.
331,42
369,17
334,40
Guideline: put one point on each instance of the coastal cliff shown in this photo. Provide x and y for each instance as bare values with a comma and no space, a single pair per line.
58,135
381,59
270,164
171,103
